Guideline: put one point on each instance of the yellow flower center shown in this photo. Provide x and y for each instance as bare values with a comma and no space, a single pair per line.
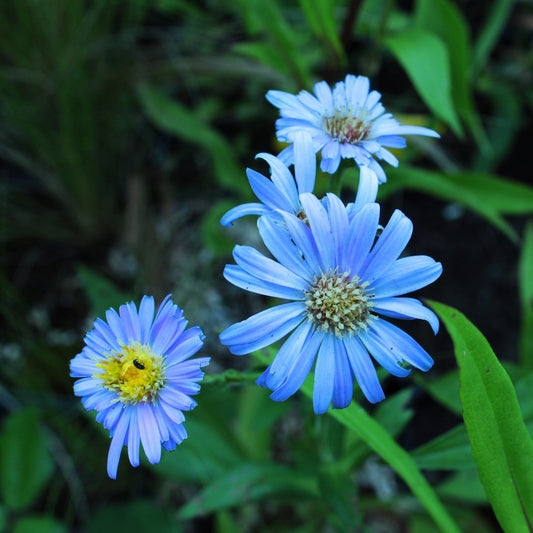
347,126
135,373
335,302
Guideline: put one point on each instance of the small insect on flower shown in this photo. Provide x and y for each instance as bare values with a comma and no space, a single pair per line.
136,371
346,122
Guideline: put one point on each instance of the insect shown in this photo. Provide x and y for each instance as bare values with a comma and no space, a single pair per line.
138,365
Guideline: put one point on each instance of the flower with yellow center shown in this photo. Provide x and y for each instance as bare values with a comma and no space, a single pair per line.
136,371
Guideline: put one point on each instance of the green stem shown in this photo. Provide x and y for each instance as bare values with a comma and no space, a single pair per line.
230,376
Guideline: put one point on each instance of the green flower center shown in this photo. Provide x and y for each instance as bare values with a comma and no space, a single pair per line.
135,373
337,303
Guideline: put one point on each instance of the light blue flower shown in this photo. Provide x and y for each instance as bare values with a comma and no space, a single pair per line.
282,191
341,282
348,122
135,371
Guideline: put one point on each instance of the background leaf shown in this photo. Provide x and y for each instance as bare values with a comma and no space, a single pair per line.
425,59
525,276
25,462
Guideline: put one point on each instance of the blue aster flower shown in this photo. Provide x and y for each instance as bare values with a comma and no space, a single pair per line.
136,371
341,284
348,122
282,191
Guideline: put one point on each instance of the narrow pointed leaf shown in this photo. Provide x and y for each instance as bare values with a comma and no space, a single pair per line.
501,445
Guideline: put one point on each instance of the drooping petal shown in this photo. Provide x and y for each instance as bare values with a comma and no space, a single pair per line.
117,442
149,433
324,375
262,329
405,275
363,369
242,210
406,309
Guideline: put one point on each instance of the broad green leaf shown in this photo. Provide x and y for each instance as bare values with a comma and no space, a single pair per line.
101,292
247,483
461,188
501,445
25,462
40,524
525,276
425,59
356,419
139,516
174,118
442,18
449,451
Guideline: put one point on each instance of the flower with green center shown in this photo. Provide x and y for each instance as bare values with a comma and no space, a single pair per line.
136,371
346,122
341,277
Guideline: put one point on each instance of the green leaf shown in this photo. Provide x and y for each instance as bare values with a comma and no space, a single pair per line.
25,462
464,487
139,516
319,14
495,24
425,59
174,118
478,194
501,445
220,451
247,483
41,524
449,451
101,292
525,270
355,418
442,18
444,389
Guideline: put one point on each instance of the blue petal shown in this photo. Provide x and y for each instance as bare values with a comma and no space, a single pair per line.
303,238
185,346
256,264
278,370
406,309
388,247
406,275
402,345
363,369
282,178
361,235
149,432
330,165
278,241
387,358
325,97
263,328
302,365
146,317
343,388
338,220
243,210
392,141
133,437
116,326
240,278
367,190
130,321
324,375
321,230
117,442
304,162
269,193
